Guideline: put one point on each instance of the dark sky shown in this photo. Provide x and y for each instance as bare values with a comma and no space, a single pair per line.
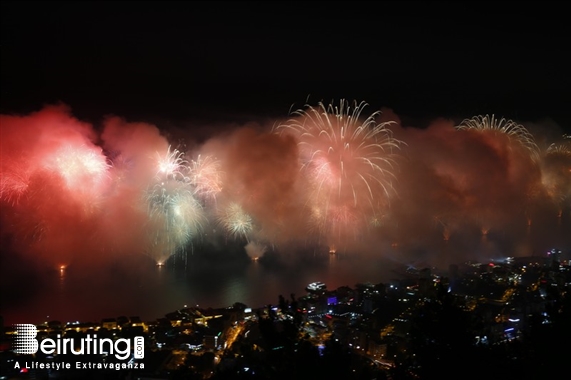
182,60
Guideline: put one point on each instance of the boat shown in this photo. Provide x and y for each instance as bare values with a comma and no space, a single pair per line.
316,287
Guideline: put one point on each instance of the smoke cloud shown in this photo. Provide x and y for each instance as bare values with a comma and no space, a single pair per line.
71,194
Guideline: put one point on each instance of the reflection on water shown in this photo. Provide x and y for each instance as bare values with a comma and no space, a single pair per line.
218,280
62,280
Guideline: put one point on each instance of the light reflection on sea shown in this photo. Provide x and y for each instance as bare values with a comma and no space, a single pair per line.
145,290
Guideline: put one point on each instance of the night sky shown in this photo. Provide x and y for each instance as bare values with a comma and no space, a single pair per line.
171,62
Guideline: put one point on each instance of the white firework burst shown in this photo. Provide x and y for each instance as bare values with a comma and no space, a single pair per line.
349,161
172,165
236,221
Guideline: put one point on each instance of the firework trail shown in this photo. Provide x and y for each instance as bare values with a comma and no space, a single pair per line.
329,175
348,161
236,221
206,177
175,215
84,171
556,174
172,165
515,147
509,128
447,224
559,149
53,177
15,175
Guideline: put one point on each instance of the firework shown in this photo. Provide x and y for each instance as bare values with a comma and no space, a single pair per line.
84,174
206,177
172,165
76,163
255,250
325,177
559,149
14,181
349,162
188,214
80,167
446,225
510,128
556,174
236,221
175,215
